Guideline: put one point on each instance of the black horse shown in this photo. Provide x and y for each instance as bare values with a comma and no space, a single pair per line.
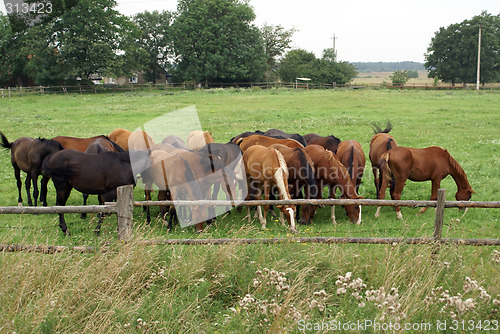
97,174
28,154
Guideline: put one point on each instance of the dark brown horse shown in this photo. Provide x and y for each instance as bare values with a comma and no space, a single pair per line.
266,167
330,172
420,164
300,176
97,174
380,143
351,155
276,133
330,143
27,154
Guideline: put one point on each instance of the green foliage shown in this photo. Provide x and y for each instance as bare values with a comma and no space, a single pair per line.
452,54
214,40
412,74
301,63
276,41
399,77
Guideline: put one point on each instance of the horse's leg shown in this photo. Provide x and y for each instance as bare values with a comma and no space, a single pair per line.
63,190
27,184
17,173
34,178
384,182
263,217
376,180
85,197
434,194
147,197
332,196
396,190
43,189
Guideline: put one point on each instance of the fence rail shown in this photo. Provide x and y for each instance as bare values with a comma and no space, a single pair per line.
125,204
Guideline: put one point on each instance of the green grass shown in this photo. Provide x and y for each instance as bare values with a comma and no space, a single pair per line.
104,292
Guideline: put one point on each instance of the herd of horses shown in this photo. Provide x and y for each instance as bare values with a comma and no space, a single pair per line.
252,165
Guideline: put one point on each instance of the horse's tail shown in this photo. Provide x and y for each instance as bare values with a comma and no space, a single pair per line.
5,142
389,144
385,170
387,129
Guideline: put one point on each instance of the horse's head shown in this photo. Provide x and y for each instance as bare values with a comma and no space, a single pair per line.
307,214
464,194
289,212
354,212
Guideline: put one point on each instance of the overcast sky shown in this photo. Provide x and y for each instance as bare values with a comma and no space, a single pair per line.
365,30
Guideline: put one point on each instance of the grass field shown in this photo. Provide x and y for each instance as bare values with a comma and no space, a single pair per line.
202,289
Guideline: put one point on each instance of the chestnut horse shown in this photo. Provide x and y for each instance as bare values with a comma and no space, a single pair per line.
78,144
174,176
420,164
330,143
300,175
266,167
380,143
197,139
27,154
351,155
120,136
245,143
330,172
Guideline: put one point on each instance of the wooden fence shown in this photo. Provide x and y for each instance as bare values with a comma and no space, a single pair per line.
125,204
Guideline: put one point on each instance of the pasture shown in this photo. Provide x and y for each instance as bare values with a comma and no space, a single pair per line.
203,288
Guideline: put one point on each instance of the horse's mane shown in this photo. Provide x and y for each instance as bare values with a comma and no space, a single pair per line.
377,129
332,158
311,177
51,143
280,175
122,156
282,162
455,165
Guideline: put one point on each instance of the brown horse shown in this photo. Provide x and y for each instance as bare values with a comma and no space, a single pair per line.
197,139
266,167
245,143
380,143
330,143
27,154
174,176
78,144
330,172
351,155
175,141
421,164
141,141
300,175
120,136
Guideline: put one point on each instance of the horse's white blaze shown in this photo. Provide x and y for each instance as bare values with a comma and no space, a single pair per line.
359,219
292,218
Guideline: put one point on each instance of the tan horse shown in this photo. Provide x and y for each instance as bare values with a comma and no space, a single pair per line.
351,155
421,164
266,167
197,139
120,136
246,142
330,172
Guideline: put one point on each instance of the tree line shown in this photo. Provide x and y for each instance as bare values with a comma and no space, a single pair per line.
202,41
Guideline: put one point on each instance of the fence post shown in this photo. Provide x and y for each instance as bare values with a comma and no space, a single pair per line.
125,210
438,223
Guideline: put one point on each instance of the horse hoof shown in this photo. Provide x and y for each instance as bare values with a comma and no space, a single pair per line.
20,204
67,233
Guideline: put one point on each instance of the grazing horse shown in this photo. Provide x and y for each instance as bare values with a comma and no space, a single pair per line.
197,139
175,141
97,174
174,176
351,155
245,143
245,134
380,143
330,143
266,167
27,154
280,133
330,172
79,144
420,164
300,175
120,136
141,141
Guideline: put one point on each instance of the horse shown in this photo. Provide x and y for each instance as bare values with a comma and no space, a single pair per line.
197,139
175,141
420,164
245,143
330,172
78,144
300,175
97,174
172,174
120,136
27,154
351,155
330,143
141,141
264,168
280,133
380,143
245,134
101,145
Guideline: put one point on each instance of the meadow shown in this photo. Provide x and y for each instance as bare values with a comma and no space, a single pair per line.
256,288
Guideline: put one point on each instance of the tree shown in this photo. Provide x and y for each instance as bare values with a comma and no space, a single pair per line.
399,77
155,39
452,54
13,59
214,40
297,63
276,41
